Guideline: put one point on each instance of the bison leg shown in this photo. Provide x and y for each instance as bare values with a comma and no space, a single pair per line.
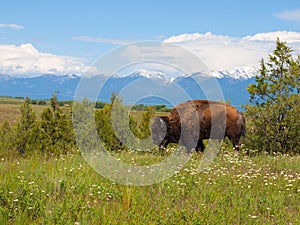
163,145
200,146
187,151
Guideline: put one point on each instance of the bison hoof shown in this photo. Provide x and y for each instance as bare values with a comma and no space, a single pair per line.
199,150
162,148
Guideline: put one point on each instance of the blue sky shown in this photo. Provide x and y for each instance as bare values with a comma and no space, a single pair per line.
83,30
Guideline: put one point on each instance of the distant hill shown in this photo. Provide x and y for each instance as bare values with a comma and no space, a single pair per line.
141,87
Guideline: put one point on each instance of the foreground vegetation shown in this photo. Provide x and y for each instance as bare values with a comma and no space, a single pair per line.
236,190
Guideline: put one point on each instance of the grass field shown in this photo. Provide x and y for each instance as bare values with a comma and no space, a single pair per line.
10,109
236,190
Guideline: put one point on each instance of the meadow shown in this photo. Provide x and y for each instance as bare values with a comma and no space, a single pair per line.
236,189
10,109
243,188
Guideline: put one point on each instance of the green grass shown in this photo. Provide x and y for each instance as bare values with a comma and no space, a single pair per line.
236,190
10,100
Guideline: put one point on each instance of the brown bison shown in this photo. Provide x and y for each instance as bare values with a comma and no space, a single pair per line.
193,121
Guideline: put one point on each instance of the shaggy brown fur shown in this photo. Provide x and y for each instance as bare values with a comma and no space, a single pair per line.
193,121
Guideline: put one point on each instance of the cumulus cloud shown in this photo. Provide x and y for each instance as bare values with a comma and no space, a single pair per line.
287,36
26,60
291,15
12,26
156,55
221,52
217,52
196,36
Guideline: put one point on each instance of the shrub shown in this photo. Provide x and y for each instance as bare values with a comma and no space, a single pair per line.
273,119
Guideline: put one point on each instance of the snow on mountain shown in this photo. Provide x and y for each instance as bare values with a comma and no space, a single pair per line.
142,82
216,74
239,73
71,76
152,75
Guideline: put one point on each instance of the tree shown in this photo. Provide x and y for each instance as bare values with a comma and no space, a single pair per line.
144,126
273,119
112,123
24,127
83,122
116,128
5,137
56,133
42,102
100,105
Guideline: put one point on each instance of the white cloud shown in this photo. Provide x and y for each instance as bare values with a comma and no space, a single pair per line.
291,15
196,36
217,52
100,40
26,60
287,36
155,55
221,52
12,26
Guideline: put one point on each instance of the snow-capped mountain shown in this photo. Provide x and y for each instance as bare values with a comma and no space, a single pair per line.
153,75
71,76
140,83
239,73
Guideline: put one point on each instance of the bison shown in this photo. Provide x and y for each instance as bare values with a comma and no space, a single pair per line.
193,121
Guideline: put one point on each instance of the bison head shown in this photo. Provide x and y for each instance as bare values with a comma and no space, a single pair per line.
159,129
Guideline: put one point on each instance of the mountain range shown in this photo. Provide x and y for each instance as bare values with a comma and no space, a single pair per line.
140,87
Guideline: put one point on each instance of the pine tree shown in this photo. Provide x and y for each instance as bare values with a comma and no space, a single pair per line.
56,131
24,127
5,137
83,123
116,128
144,127
107,133
274,118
